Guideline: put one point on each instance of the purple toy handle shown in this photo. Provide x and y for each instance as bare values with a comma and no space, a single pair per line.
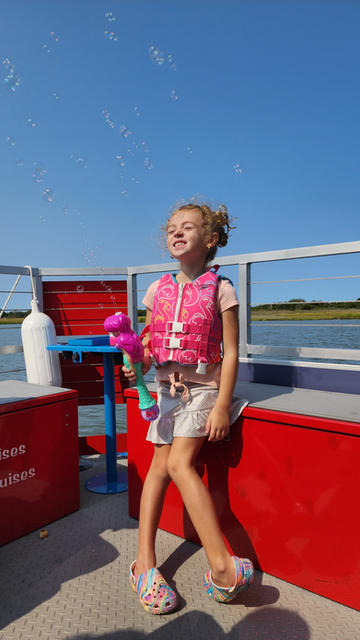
151,413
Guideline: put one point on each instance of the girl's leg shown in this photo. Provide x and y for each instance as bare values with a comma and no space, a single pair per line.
200,507
152,497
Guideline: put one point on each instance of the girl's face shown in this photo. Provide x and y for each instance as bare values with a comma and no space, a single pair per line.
186,236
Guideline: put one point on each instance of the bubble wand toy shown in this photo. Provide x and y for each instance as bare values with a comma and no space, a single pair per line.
133,351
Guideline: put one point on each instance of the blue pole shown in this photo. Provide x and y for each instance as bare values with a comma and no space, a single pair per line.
110,420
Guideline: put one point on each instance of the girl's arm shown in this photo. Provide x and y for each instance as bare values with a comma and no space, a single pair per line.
218,421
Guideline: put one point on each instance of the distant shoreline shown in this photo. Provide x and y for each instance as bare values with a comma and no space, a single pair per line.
11,320
268,315
311,314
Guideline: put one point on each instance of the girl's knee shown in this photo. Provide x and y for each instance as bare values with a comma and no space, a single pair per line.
159,469
183,456
176,467
158,465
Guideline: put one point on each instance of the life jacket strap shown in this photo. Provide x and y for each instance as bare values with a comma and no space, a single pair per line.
172,342
181,327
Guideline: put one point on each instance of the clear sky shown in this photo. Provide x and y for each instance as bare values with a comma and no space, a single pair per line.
111,112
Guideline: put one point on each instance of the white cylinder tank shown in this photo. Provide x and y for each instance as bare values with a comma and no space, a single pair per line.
37,332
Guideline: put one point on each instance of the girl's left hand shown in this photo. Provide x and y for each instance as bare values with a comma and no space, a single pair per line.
217,425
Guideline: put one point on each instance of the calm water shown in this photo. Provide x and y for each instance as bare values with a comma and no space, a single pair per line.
313,333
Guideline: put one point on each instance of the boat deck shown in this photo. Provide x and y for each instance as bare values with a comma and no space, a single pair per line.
74,585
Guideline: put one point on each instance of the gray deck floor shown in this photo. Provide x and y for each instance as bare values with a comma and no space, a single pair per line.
74,584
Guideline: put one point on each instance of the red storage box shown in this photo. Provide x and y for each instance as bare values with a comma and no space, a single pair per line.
39,456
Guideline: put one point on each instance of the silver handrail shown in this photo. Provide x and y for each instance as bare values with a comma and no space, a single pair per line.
244,263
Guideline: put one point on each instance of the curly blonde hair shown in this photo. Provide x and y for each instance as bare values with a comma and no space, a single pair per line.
215,220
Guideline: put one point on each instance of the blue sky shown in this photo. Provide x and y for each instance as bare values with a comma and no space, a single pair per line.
256,104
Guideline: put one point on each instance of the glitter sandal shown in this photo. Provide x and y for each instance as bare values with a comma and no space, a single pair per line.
155,595
244,575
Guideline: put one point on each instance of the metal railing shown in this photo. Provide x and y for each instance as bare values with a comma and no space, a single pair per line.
244,263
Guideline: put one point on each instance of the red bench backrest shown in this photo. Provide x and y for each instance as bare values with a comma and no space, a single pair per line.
80,308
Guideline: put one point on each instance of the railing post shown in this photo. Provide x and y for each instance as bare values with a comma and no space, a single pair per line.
244,308
39,291
132,299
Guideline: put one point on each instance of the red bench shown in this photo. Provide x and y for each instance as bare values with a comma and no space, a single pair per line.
286,486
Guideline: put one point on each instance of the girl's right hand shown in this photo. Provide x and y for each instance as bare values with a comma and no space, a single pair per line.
131,375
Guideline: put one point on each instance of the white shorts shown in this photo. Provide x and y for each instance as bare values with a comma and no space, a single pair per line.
186,418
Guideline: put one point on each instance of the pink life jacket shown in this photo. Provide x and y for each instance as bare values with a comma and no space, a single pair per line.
185,326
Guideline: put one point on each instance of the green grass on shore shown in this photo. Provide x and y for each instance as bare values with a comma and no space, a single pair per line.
14,320
311,314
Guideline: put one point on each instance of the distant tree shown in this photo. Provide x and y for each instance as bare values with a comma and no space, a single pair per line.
297,300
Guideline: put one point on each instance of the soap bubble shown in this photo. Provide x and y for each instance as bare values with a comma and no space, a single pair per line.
109,16
156,55
82,162
110,35
48,195
121,160
137,111
10,141
148,164
108,120
189,150
124,131
12,79
79,288
159,57
174,96
38,173
125,193
171,62
55,38
237,168
31,122
19,163
55,95
42,219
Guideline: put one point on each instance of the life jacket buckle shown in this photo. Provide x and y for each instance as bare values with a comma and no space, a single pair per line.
173,343
201,367
175,327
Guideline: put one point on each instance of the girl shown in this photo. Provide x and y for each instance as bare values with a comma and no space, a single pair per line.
189,315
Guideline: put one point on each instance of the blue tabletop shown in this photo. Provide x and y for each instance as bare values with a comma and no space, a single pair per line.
97,344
